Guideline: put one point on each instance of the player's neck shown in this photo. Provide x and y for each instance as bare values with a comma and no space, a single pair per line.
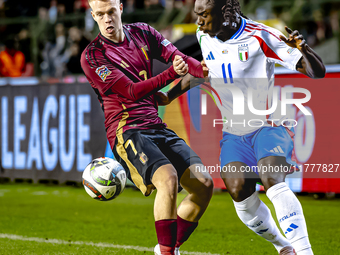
227,32
118,37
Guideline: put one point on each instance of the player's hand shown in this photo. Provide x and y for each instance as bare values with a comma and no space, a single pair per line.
162,98
180,67
295,40
205,69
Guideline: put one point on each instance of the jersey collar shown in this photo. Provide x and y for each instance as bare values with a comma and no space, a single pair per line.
240,30
127,37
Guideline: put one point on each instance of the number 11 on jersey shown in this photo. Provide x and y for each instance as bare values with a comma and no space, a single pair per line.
224,72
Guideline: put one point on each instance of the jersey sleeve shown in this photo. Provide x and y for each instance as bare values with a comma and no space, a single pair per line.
276,50
161,45
100,72
166,52
104,76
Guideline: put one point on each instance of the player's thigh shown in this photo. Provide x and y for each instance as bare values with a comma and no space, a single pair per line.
274,148
140,157
238,167
179,153
165,178
197,180
236,149
274,142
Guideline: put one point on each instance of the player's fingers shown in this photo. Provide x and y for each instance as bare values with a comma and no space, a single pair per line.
178,61
185,69
283,38
177,57
295,33
178,65
289,31
181,66
182,71
299,37
303,43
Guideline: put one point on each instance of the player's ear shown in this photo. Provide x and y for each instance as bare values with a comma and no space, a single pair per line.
121,8
93,16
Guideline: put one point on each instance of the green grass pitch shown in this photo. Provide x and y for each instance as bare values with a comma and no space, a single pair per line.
39,219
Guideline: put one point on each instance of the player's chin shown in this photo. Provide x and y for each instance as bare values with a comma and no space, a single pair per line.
211,34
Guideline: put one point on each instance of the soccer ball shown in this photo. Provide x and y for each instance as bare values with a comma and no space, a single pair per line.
104,179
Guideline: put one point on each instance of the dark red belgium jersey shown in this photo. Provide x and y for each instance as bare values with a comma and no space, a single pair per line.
116,71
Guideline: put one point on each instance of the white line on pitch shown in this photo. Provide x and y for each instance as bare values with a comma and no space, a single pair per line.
106,245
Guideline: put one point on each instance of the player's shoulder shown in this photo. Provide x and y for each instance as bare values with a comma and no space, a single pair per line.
138,26
95,45
92,52
261,30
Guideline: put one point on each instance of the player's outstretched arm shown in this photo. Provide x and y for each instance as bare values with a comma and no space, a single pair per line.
117,82
186,83
310,64
184,64
165,98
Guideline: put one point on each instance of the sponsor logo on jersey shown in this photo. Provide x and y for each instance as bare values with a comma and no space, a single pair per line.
243,52
210,56
290,50
165,42
103,72
143,158
224,51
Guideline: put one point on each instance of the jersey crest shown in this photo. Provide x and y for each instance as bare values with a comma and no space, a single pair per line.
243,52
145,50
103,72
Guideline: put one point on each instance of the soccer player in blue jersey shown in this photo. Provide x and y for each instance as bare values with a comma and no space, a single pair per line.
241,54
118,65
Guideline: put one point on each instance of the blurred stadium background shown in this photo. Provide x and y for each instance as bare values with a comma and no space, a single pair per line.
52,127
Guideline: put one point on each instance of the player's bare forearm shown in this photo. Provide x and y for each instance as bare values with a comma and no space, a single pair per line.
187,82
311,64
182,87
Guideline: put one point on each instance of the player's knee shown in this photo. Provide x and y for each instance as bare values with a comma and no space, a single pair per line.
207,187
208,183
165,179
269,180
236,189
170,182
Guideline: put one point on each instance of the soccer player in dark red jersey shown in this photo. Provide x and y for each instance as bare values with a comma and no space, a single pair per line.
118,65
